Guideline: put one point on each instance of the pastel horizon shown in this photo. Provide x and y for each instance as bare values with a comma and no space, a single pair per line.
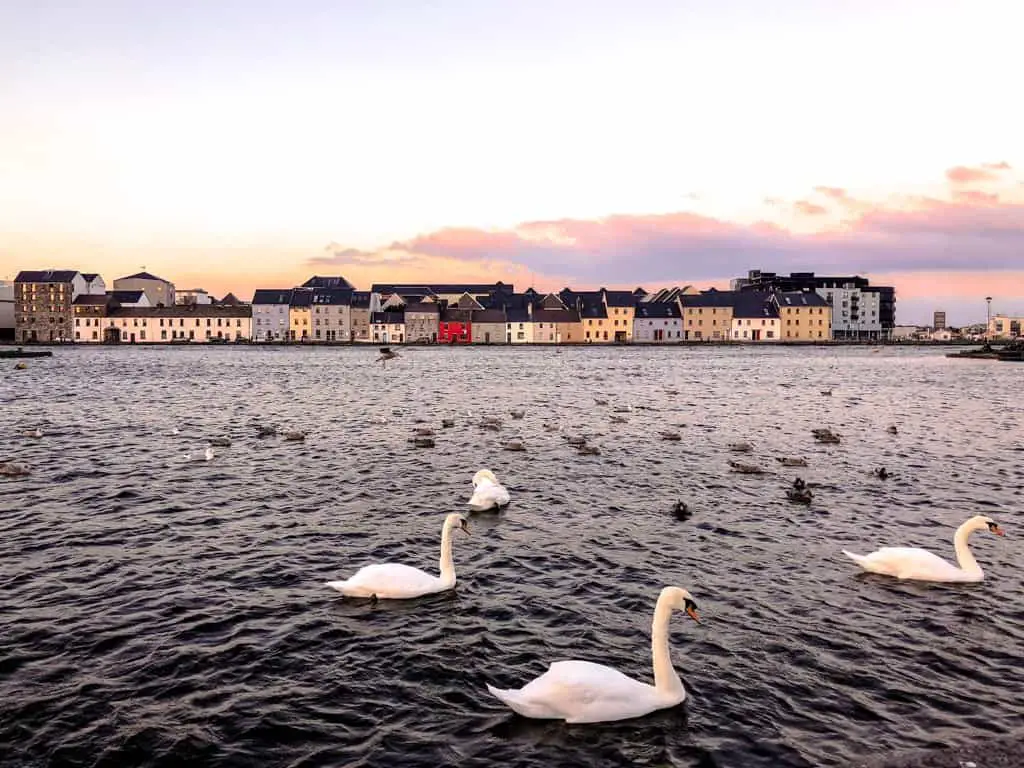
583,145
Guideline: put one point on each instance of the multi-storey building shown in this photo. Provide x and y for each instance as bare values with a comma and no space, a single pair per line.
859,310
157,290
109,323
707,316
657,321
331,314
42,304
270,310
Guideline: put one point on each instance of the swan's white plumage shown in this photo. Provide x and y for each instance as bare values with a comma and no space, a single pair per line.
488,493
397,581
921,565
584,692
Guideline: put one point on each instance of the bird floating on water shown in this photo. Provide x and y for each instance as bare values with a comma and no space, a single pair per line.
681,511
584,692
488,493
745,469
14,469
921,565
791,462
386,354
799,492
825,436
517,414
589,450
892,430
36,433
395,581
741,447
881,473
670,436
514,445
295,436
447,423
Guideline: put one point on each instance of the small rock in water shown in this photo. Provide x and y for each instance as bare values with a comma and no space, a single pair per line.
295,437
517,414
892,430
589,450
424,431
576,442
514,445
423,442
741,447
670,436
263,431
221,442
790,462
447,423
745,469
13,469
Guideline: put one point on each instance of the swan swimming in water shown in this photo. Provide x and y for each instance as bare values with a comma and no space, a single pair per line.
488,493
921,565
396,581
584,692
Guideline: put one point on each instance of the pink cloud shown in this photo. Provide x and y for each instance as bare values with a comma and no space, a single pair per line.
975,196
962,174
808,208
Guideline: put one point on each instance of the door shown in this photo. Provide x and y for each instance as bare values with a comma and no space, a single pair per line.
487,337
755,334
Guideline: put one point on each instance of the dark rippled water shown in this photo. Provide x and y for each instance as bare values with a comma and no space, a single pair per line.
155,611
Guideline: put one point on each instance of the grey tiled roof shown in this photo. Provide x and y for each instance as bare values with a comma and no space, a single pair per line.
46,276
272,296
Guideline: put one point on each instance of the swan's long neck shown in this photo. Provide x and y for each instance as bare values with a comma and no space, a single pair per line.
964,557
447,564
665,678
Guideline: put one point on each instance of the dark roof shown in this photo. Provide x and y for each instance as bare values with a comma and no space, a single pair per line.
230,301
801,299
336,281
46,276
754,304
593,311
272,296
331,296
90,276
489,316
183,310
422,308
361,299
620,298
92,300
449,288
710,299
126,297
143,276
302,297
390,318
555,316
516,315
454,315
654,309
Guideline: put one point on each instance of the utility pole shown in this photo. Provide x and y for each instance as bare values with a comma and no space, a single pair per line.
988,318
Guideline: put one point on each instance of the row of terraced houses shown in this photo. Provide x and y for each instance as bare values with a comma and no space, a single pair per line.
69,306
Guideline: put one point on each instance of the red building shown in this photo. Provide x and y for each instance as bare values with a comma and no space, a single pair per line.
455,327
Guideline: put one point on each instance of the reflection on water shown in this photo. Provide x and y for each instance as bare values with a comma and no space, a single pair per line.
158,610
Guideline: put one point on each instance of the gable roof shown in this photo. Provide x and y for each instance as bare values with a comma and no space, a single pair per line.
456,315
710,298
657,309
144,276
332,297
389,318
361,299
93,300
230,301
272,296
442,288
90,276
754,304
422,308
516,315
489,316
541,315
620,298
126,297
336,281
800,299
46,276
302,297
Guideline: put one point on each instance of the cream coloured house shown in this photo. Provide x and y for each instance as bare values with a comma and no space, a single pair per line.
95,324
803,316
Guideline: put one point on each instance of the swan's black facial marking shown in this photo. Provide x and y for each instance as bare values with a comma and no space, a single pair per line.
994,528
691,609
464,525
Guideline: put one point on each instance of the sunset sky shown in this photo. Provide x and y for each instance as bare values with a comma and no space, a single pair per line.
231,145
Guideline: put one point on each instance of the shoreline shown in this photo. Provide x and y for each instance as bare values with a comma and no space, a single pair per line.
28,346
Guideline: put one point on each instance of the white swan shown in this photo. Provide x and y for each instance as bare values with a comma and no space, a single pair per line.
921,565
488,493
583,692
396,581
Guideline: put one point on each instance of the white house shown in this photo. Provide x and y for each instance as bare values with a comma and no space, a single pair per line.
387,327
95,285
655,322
755,317
192,296
270,314
157,290
136,298
518,327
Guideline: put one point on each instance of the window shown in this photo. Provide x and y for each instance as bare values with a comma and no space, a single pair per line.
77,336
163,335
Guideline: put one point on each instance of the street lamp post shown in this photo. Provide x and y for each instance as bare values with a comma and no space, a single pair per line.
988,318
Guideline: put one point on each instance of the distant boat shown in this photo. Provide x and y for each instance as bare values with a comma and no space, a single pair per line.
19,352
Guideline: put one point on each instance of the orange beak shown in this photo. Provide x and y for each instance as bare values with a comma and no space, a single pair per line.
998,531
692,613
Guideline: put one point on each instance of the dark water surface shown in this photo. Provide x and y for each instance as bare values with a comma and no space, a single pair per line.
154,611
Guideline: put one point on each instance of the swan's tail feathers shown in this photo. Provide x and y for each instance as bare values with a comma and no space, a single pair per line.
858,559
520,704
